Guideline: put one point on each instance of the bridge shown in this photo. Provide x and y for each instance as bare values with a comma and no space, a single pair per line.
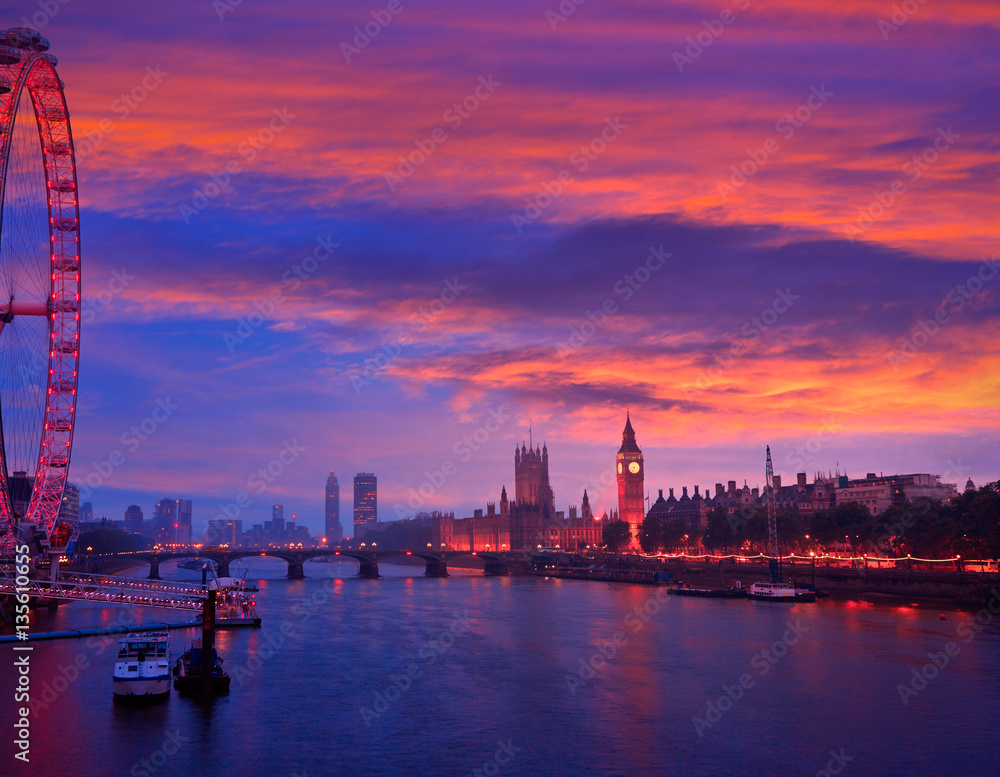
496,563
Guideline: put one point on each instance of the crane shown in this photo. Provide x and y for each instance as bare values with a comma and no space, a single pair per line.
772,522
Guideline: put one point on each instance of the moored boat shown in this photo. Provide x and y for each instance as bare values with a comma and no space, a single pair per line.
733,592
142,667
189,667
780,592
235,605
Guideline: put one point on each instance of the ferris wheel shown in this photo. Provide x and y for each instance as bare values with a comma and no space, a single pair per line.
39,290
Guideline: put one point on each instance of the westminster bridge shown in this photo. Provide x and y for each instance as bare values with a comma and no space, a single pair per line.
495,563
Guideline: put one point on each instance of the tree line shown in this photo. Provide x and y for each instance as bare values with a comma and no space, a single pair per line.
967,526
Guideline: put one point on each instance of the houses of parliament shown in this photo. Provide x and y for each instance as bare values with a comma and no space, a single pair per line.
529,520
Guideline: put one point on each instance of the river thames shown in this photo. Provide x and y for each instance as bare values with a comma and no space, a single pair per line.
529,676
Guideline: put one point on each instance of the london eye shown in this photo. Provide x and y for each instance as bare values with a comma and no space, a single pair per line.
39,292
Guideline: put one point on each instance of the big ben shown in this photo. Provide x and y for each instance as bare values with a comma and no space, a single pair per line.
630,475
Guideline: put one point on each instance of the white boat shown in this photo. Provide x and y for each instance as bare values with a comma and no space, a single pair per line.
780,592
142,666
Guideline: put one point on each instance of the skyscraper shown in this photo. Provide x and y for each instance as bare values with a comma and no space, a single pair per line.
183,520
133,519
630,477
164,518
334,529
365,502
69,508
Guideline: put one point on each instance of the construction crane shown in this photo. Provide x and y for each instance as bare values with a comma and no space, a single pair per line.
772,523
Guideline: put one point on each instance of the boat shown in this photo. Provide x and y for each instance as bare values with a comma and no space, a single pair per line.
234,605
780,592
142,666
195,564
188,671
733,592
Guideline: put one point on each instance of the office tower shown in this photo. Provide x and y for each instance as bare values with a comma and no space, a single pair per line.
183,520
164,518
86,512
333,527
365,503
133,519
69,508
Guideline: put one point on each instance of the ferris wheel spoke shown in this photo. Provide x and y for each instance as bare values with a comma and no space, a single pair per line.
39,285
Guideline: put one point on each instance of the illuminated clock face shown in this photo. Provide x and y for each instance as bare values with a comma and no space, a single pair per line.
634,467
619,468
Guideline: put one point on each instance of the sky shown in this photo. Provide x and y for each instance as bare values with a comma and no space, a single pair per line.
388,236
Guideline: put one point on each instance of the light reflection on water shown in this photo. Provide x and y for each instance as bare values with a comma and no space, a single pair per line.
506,673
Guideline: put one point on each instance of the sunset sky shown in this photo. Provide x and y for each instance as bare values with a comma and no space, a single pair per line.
394,251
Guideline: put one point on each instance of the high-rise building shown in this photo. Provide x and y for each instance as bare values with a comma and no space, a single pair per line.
183,521
86,511
365,502
133,519
334,529
69,508
164,518
278,518
630,477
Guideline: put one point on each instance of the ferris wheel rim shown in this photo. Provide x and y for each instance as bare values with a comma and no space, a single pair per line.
25,66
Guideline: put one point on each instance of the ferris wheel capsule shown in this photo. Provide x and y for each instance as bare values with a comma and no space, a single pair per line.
39,290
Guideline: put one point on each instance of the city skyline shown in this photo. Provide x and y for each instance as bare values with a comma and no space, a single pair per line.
761,256
605,485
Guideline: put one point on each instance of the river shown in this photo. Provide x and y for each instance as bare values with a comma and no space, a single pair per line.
527,676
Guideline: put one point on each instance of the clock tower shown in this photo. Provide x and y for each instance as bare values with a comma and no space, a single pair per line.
630,475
